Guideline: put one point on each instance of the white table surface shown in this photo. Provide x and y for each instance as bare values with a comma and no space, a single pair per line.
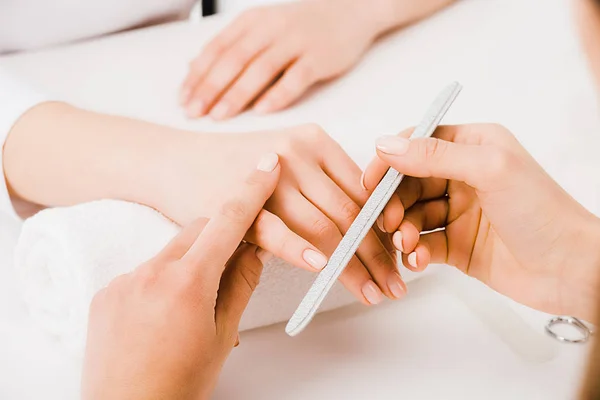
521,65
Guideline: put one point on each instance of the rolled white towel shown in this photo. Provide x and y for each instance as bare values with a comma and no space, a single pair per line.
65,255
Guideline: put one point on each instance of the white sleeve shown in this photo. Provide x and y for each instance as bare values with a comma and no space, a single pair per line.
15,99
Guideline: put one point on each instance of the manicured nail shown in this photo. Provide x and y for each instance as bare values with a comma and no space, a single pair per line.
362,181
372,293
220,111
412,259
195,109
263,107
380,223
314,259
395,285
394,145
397,240
268,162
184,95
263,255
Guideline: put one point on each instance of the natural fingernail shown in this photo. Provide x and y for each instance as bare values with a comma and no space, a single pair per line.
220,111
314,259
372,293
394,145
262,107
380,223
184,95
237,341
412,259
195,109
263,255
396,285
362,181
397,240
268,162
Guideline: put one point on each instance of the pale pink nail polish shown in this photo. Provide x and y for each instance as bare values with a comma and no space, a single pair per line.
262,107
220,111
412,259
380,223
195,109
394,145
268,162
397,240
396,286
362,181
372,293
184,95
314,259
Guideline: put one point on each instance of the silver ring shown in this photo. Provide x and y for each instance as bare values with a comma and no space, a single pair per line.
574,322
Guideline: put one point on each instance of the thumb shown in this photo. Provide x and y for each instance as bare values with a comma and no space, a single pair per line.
239,280
477,165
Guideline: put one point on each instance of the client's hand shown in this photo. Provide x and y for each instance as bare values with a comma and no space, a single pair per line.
165,330
504,220
275,53
318,197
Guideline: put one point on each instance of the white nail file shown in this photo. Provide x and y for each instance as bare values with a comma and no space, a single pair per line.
365,220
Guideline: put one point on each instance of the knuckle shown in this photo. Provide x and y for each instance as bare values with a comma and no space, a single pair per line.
497,162
380,259
349,210
314,133
235,210
265,69
431,148
323,229
251,276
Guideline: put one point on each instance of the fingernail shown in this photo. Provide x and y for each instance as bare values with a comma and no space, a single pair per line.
184,94
394,145
396,285
397,240
372,293
220,111
268,162
195,109
314,259
237,341
412,259
262,107
263,255
362,181
380,223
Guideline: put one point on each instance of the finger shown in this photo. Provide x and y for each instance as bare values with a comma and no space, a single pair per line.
238,282
310,223
423,216
223,73
410,191
480,166
182,242
294,82
259,74
209,54
225,231
432,248
270,233
378,167
339,208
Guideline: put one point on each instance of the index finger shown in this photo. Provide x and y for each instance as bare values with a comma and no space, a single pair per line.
224,232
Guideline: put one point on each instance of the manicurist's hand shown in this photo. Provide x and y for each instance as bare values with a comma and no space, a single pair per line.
504,221
165,330
270,56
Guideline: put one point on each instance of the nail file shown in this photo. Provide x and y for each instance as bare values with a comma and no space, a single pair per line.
365,220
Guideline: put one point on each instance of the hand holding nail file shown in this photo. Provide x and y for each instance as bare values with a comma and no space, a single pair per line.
365,220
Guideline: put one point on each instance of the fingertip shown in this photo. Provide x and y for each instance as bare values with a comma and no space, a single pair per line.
268,162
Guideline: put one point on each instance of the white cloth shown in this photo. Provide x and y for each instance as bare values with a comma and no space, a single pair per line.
65,255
